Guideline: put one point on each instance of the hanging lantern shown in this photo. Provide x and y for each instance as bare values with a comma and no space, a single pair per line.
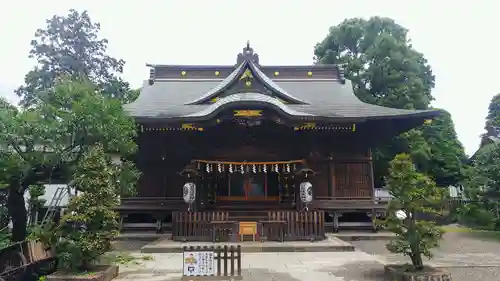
254,169
288,168
219,168
306,193
276,168
242,169
207,168
265,168
230,168
189,194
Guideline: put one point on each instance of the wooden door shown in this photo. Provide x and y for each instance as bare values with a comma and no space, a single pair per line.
249,187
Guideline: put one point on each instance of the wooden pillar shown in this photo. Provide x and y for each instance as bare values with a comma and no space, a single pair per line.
372,180
330,175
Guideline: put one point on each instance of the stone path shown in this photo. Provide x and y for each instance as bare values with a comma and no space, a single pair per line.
269,267
331,244
467,258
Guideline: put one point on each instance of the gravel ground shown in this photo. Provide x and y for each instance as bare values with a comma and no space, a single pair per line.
457,250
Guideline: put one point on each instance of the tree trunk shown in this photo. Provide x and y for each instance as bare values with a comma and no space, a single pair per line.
17,212
416,255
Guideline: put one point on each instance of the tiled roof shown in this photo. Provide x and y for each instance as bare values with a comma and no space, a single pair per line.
330,97
323,98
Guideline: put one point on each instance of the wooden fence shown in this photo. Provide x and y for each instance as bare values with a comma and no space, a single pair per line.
215,226
226,263
198,226
297,225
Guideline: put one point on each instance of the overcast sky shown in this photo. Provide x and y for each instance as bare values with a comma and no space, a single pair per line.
455,37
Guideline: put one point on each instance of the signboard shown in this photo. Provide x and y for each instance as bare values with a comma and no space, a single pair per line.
198,263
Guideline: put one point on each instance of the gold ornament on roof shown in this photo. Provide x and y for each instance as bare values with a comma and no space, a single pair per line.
246,75
217,73
183,73
276,73
428,121
248,83
309,73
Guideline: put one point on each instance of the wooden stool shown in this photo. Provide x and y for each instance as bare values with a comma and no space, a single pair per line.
248,228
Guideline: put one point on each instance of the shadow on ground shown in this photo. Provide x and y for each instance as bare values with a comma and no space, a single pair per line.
254,274
358,271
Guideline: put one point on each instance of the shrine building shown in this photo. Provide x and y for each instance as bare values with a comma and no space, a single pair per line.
274,152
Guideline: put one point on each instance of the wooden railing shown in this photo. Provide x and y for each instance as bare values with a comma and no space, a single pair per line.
199,226
300,225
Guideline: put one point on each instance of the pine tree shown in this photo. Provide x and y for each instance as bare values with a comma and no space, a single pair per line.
93,209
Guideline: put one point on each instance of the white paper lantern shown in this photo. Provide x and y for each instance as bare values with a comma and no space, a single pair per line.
189,193
400,214
306,193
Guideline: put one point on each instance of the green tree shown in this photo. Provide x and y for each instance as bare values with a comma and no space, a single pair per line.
493,118
35,203
413,193
483,188
446,161
94,208
70,46
53,134
386,70
492,121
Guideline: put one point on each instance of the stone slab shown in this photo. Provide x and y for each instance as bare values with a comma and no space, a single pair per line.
138,236
318,266
360,235
331,244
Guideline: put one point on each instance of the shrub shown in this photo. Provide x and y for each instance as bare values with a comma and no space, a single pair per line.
89,225
413,193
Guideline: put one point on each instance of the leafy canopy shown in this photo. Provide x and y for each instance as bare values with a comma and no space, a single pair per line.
386,70
52,135
70,46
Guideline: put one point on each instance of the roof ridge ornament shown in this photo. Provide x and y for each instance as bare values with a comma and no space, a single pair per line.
247,55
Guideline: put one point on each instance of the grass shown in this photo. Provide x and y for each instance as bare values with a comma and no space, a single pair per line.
477,233
124,258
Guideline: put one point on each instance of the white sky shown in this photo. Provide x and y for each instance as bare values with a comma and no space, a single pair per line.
455,37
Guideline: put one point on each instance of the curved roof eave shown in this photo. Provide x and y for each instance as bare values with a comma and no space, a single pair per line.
270,83
220,87
245,98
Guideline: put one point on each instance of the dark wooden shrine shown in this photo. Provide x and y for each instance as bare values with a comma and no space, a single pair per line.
246,136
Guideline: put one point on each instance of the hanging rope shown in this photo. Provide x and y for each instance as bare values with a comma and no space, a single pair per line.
248,163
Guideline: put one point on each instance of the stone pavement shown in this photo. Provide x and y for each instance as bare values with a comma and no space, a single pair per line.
331,244
467,258
316,266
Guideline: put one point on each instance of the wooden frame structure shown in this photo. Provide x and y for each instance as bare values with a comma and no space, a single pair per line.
242,139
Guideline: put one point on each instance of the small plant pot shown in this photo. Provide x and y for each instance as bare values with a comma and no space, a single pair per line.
400,273
97,273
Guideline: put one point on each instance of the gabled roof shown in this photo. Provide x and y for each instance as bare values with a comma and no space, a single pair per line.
236,74
306,92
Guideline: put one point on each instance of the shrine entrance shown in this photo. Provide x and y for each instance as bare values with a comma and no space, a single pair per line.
249,187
